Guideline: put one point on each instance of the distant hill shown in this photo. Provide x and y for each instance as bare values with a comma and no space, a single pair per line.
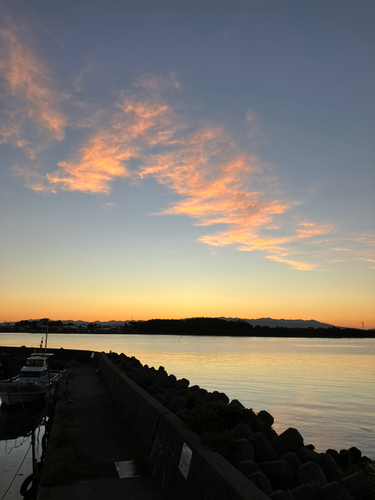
272,323
284,323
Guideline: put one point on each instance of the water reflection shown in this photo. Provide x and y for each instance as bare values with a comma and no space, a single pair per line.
20,422
323,387
21,445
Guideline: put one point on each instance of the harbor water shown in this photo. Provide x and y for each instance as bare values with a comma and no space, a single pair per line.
323,387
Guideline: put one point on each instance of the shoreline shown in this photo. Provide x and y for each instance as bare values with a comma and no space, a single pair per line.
269,334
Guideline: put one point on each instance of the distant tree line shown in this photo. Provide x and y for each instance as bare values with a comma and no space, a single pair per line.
194,326
240,328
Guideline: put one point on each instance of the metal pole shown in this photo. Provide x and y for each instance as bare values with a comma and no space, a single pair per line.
45,345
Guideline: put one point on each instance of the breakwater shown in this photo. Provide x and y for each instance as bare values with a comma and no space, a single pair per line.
157,408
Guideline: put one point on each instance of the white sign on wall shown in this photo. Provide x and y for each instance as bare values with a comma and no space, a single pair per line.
185,460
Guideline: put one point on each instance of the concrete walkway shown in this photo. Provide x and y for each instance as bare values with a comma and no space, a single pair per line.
102,442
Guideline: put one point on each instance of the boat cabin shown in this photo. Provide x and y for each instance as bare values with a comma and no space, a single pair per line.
36,366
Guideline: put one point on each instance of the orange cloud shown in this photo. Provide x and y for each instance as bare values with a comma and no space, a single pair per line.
217,183
33,180
28,89
135,127
300,266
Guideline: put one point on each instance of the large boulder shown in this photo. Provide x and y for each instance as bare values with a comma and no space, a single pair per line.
311,473
308,455
305,492
248,467
261,481
183,382
358,485
294,462
177,404
279,473
331,468
289,440
243,430
245,451
264,452
266,418
334,491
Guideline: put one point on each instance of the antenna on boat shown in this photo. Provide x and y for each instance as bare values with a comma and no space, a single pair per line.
45,345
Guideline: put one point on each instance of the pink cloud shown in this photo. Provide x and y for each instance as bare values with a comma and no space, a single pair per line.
30,94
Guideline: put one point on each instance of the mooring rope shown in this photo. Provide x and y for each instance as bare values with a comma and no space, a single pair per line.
24,458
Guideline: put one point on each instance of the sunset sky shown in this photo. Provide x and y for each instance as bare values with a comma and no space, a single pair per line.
169,159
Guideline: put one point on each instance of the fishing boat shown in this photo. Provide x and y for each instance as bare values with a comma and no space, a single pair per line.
34,382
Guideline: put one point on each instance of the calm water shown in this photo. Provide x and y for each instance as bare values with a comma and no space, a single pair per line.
323,387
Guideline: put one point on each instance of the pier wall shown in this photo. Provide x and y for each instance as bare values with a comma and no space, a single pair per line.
180,465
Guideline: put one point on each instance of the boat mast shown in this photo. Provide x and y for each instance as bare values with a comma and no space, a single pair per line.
45,345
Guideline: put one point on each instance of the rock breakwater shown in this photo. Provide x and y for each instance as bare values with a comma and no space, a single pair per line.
281,466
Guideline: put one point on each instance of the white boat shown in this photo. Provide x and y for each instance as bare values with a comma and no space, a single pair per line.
34,382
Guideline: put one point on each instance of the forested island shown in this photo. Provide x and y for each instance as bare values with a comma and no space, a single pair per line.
189,326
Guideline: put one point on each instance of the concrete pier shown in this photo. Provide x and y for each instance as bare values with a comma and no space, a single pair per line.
110,418
101,440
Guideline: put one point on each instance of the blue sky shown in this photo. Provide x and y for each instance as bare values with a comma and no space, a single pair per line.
172,159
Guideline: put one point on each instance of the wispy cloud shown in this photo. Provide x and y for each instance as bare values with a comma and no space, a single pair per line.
28,95
77,81
108,206
135,127
217,184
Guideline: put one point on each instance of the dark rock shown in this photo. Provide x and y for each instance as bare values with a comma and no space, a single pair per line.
151,390
331,468
260,480
305,492
307,455
236,403
161,390
356,454
243,430
289,440
171,393
310,446
333,453
266,418
194,388
244,451
194,399
311,473
202,392
334,491
264,452
153,379
281,495
221,396
158,384
177,404
345,458
358,485
183,382
294,462
185,393
279,473
248,467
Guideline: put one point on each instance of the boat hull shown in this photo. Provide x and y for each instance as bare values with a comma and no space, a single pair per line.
18,393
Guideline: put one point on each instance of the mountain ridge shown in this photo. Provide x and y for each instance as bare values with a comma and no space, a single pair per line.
268,322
